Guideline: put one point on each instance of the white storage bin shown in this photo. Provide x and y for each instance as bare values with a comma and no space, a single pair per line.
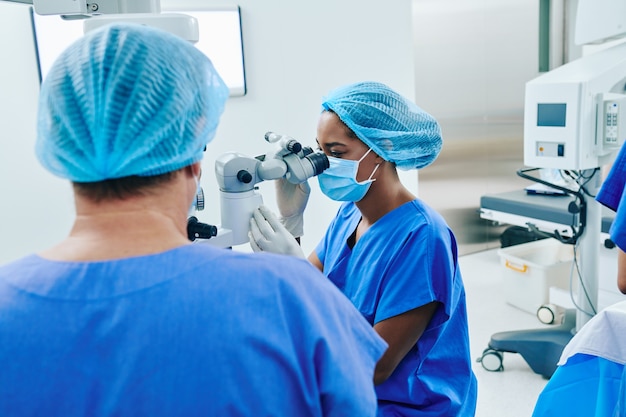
530,269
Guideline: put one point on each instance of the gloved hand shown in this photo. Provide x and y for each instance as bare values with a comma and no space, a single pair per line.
269,235
291,200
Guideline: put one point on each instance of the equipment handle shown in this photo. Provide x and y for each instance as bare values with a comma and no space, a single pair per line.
514,267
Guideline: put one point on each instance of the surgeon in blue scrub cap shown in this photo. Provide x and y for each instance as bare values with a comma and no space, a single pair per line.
125,316
391,254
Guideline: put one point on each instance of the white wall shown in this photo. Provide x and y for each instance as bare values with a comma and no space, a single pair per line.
474,57
295,52
35,207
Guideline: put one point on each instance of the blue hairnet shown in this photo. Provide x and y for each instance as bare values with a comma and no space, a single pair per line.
395,128
126,100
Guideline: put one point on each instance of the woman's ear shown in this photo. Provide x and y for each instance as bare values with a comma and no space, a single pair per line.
195,169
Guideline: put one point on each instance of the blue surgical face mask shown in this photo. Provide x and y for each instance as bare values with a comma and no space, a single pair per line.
339,182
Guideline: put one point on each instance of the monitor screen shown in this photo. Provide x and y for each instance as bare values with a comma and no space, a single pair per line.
220,39
551,114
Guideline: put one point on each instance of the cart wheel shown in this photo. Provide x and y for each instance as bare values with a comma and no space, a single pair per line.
491,360
547,313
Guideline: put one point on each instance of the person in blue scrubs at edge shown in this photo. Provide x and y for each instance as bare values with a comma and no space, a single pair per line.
126,317
589,385
390,253
612,195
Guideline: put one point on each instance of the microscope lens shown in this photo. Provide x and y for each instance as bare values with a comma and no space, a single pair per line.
319,161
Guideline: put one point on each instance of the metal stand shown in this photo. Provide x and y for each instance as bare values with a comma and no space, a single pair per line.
542,348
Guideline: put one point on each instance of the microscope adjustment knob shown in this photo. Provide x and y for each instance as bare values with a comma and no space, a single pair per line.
244,176
293,146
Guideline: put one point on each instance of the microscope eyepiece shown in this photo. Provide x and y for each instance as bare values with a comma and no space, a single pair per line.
197,230
319,161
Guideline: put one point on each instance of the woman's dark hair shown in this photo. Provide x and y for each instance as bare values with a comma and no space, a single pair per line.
349,131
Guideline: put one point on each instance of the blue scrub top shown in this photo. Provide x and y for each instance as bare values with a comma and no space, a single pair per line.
194,331
405,260
612,195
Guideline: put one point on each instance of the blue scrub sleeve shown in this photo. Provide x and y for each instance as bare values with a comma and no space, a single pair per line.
612,189
423,268
612,195
618,227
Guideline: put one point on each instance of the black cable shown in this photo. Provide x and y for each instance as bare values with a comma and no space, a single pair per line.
587,179
581,285
581,208
569,174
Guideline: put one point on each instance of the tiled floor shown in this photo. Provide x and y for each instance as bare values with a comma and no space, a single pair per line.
514,391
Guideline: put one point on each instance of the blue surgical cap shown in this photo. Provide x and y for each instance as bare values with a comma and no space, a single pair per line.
395,128
126,100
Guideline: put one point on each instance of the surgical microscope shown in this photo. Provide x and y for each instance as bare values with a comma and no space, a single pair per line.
238,175
574,121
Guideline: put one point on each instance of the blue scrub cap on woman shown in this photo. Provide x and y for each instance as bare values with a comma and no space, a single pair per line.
127,100
395,128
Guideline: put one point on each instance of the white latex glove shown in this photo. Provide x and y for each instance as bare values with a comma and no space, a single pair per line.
269,235
291,200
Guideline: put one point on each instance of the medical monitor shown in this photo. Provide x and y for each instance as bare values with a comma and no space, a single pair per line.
575,115
220,39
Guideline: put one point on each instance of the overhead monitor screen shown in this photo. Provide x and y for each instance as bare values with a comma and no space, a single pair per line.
220,40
